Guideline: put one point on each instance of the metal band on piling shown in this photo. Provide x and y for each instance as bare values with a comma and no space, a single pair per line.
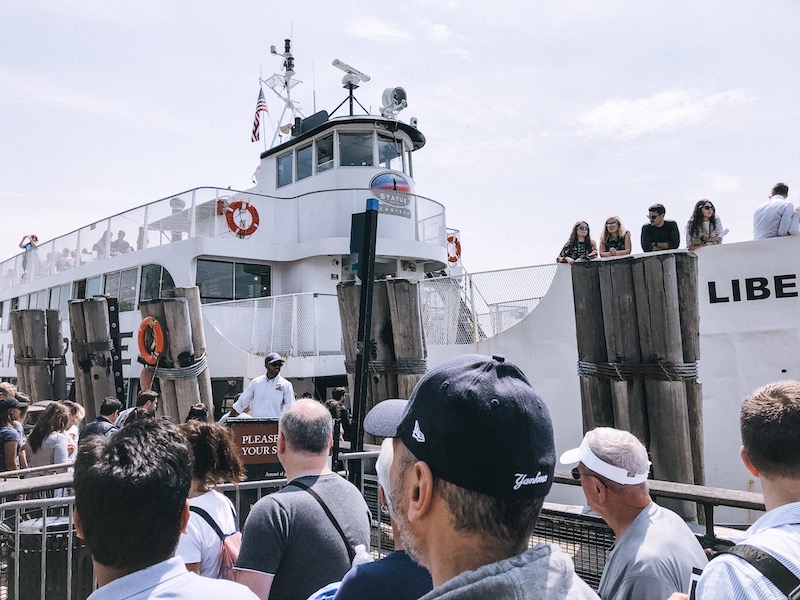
401,366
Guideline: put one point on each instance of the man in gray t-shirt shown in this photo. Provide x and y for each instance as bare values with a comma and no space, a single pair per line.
290,547
654,550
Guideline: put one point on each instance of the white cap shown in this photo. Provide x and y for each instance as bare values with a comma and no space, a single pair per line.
585,455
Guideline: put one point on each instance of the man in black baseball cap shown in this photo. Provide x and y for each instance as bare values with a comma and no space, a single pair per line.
473,460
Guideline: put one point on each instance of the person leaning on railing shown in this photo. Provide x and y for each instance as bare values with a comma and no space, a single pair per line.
9,437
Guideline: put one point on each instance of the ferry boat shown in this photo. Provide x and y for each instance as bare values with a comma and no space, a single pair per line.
268,259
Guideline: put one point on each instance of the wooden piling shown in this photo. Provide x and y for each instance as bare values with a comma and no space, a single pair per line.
192,295
80,355
20,350
397,347
637,329
55,352
181,352
98,336
168,401
596,403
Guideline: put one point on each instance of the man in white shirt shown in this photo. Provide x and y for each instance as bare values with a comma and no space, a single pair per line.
267,395
774,218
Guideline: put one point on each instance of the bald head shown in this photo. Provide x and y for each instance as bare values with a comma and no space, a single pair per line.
307,427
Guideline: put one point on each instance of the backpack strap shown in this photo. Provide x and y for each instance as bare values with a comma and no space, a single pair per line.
770,567
207,518
350,552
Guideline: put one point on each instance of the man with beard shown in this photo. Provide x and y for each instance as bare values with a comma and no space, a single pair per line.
473,461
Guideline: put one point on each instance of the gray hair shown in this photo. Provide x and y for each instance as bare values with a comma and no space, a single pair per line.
619,448
382,467
306,432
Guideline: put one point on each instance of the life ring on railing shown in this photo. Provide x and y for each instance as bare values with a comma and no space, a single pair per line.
453,249
151,350
236,222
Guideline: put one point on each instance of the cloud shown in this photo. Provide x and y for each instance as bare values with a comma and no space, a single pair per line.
26,89
663,112
370,28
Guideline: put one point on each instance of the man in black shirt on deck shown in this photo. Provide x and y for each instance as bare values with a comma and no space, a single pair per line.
659,234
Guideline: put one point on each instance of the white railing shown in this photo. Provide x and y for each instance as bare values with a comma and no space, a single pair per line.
292,325
471,307
199,213
455,310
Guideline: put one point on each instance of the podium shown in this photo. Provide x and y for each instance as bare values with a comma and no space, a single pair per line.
256,440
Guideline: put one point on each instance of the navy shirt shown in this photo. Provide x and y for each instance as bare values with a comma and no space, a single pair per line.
394,577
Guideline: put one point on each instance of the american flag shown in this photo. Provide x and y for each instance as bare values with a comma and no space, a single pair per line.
261,106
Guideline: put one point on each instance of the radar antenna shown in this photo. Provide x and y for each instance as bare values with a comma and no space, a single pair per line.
350,82
282,86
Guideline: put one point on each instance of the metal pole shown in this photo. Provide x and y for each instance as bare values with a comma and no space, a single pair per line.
367,275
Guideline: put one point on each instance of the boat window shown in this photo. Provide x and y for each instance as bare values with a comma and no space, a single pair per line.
251,281
122,285
22,303
390,152
38,300
63,305
54,301
5,312
79,289
285,169
305,158
221,281
325,153
355,149
94,286
155,280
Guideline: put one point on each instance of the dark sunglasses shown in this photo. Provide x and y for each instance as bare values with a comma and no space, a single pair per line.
653,217
577,475
708,207
582,227
612,223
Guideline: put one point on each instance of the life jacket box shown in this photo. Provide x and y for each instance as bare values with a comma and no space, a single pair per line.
257,443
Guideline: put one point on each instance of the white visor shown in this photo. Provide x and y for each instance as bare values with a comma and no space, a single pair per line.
585,455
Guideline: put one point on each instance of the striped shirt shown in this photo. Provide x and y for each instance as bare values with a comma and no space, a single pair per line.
729,577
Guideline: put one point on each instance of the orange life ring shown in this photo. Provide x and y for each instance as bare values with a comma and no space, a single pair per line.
238,228
150,351
453,249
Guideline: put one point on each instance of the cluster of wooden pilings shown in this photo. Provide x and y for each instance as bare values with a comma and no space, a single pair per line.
397,347
637,329
39,354
181,370
95,355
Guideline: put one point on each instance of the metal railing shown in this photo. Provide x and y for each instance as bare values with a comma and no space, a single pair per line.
468,308
40,556
293,325
200,213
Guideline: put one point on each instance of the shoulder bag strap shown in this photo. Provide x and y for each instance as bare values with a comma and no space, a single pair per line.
770,567
350,552
209,520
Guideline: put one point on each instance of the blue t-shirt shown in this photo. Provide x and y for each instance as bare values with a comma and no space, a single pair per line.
7,434
394,577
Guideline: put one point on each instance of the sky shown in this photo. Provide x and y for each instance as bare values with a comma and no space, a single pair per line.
537,114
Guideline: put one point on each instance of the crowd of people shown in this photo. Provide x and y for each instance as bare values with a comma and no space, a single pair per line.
465,466
777,217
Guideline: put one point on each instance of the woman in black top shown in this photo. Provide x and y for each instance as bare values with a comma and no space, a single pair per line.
616,240
579,246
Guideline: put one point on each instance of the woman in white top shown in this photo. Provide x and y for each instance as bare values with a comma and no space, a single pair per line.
704,227
47,443
215,461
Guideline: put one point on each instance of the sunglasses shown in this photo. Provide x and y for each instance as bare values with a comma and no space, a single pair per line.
577,475
582,227
653,217
708,207
612,223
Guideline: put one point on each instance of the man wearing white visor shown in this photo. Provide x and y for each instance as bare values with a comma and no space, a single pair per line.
654,550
